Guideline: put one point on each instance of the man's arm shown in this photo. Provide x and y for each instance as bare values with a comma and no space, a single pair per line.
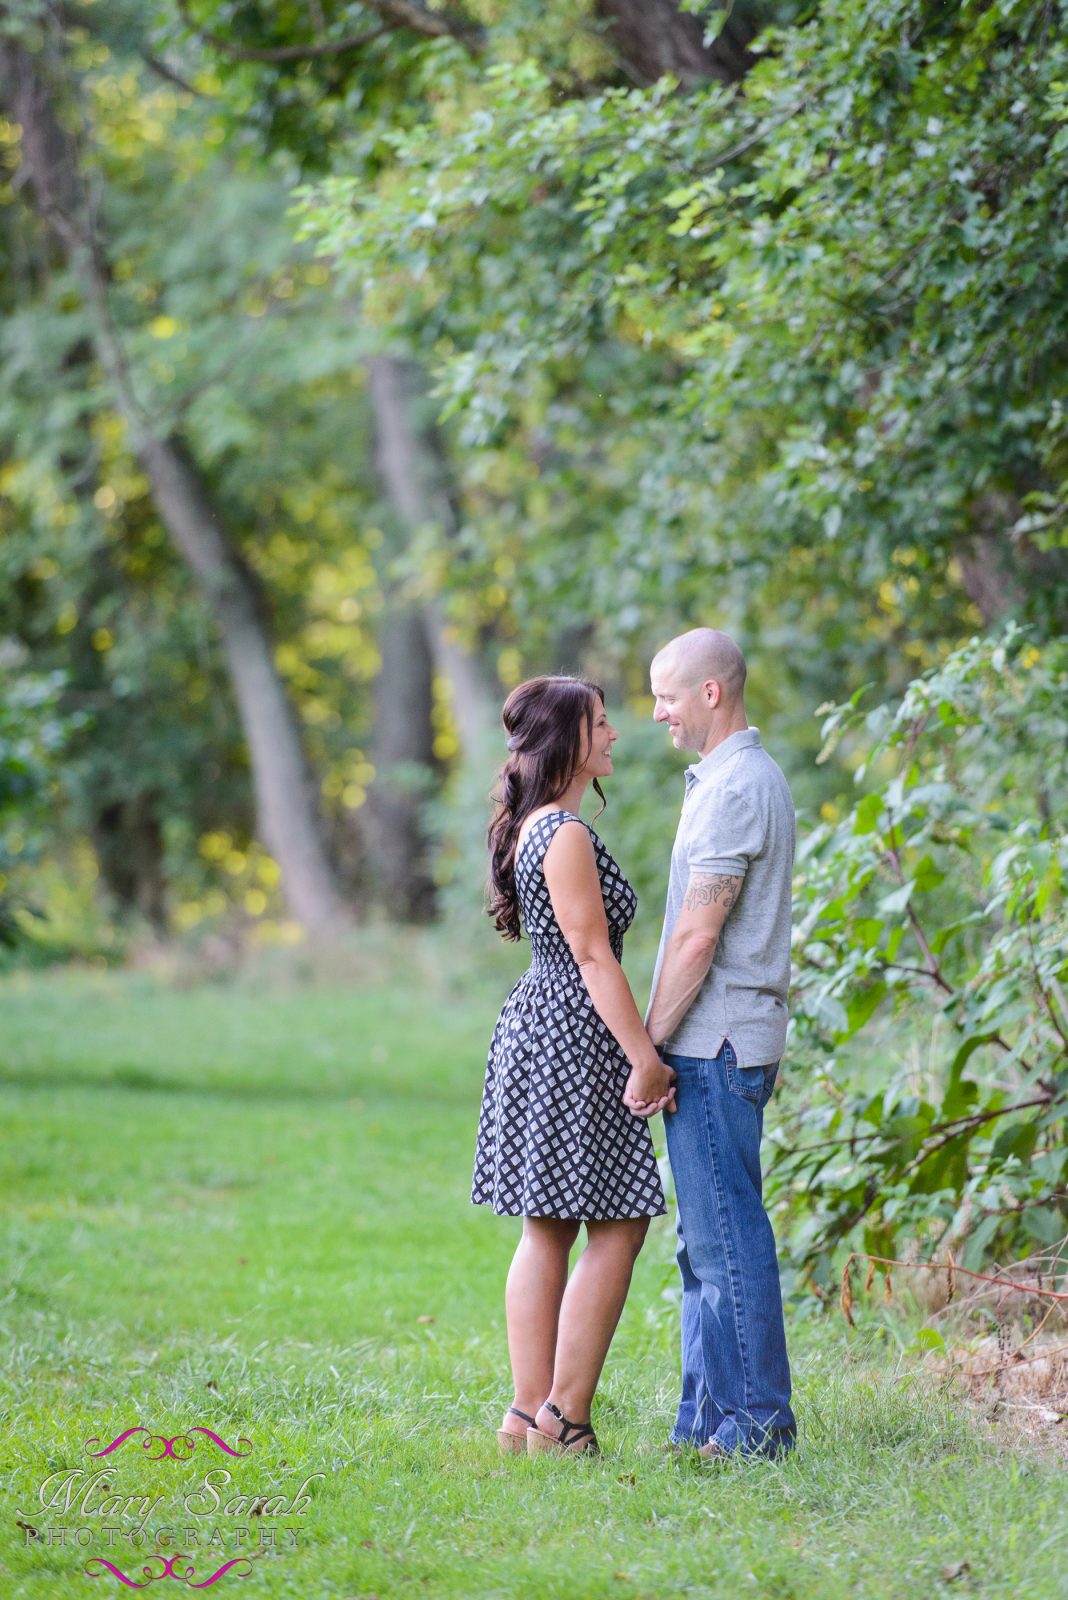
690,950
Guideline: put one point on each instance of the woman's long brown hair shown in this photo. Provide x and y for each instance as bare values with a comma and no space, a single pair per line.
543,718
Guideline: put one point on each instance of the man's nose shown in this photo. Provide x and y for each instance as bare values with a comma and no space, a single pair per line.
659,714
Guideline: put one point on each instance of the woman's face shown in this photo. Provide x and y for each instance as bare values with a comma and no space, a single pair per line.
597,753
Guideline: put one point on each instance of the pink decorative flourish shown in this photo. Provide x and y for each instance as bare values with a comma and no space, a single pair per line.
168,1572
242,1560
100,1563
168,1444
222,1442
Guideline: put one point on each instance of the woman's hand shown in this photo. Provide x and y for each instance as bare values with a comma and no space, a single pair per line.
650,1088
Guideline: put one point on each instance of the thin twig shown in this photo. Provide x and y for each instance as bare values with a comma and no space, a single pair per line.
933,968
1016,1361
1040,986
941,1266
975,1119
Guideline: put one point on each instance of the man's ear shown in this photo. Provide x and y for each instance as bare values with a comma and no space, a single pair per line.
713,692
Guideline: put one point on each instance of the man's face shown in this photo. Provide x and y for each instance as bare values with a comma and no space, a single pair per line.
685,708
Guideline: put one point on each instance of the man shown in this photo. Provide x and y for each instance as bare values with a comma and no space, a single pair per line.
718,1017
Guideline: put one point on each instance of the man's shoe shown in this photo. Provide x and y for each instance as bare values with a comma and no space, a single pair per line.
713,1452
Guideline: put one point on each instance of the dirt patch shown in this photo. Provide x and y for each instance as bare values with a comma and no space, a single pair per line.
1018,1383
998,1340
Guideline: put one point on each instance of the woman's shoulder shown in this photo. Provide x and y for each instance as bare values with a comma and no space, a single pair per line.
533,825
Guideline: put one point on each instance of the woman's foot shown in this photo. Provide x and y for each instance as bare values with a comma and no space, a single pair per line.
512,1433
554,1432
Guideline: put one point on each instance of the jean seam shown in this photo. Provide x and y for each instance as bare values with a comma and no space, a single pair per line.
728,1255
719,1143
705,1407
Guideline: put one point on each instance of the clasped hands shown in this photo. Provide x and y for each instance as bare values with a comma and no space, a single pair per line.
650,1088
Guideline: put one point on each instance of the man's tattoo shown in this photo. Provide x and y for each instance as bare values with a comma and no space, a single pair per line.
705,889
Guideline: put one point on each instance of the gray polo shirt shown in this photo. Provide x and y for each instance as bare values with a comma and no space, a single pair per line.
737,818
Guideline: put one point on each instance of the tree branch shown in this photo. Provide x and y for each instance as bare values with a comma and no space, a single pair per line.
950,1130
431,24
941,1266
395,14
168,74
286,52
50,164
953,1130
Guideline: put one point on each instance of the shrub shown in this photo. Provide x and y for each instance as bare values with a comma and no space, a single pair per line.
936,904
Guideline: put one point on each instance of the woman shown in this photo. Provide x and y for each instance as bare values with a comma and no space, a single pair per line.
556,1145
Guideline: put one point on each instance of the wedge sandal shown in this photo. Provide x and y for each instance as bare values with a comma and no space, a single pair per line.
513,1444
569,1441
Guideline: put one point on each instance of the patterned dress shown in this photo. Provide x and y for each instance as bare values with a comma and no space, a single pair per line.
554,1137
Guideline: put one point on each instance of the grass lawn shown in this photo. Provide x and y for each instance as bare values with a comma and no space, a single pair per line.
245,1208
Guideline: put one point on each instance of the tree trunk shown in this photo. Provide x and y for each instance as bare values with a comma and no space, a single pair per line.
1000,574
128,841
653,37
287,807
402,752
412,464
402,745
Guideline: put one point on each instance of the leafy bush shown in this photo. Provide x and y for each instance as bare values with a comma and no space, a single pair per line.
936,904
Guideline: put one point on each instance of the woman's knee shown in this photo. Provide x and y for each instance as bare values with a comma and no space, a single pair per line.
550,1233
624,1238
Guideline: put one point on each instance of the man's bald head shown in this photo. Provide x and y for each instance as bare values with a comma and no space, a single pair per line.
698,681
701,655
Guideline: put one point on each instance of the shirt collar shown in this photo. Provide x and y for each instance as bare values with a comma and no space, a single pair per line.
744,739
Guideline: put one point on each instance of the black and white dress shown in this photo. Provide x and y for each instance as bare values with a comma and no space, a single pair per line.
554,1137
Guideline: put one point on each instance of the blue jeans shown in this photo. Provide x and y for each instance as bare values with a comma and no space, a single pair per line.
735,1370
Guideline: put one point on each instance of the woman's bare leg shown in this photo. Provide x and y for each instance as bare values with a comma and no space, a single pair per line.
589,1313
536,1282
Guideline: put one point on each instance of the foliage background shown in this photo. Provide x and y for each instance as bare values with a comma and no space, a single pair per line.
781,348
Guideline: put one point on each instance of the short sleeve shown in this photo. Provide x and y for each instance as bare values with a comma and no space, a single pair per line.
723,832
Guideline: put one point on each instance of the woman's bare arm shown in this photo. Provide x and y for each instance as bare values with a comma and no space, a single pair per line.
575,891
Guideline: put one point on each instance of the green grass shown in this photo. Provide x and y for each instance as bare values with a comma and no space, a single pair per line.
239,1207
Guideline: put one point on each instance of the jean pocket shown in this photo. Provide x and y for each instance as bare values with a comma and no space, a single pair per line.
748,1082
770,1075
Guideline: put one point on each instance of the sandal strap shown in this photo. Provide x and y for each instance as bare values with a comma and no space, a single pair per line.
577,1430
515,1412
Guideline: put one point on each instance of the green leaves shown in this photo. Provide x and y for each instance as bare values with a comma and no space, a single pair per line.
846,284
942,891
34,730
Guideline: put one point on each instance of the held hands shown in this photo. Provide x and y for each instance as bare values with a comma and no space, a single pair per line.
650,1088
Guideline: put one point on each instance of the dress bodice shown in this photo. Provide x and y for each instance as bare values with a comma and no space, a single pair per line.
549,947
